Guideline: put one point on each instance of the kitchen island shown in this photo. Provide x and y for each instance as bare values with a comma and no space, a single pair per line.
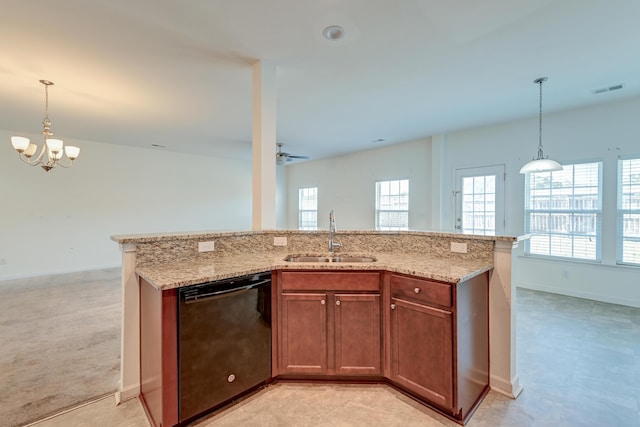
171,261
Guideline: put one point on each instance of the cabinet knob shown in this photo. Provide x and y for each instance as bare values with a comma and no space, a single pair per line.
393,306
323,302
338,302
416,290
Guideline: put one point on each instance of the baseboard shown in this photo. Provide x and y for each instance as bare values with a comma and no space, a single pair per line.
129,393
508,388
580,294
97,272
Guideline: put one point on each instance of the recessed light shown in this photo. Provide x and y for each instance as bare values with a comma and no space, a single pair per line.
158,146
378,140
333,32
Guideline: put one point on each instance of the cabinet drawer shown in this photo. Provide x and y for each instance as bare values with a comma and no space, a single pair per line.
330,281
420,290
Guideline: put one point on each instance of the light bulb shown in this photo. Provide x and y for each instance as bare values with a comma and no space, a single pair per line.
72,152
31,150
54,145
20,143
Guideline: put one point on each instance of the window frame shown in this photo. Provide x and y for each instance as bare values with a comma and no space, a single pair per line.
378,209
574,214
621,212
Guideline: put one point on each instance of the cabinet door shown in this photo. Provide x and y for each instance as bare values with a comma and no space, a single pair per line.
303,341
421,351
357,334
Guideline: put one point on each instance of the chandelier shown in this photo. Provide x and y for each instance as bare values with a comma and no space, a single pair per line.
542,163
53,150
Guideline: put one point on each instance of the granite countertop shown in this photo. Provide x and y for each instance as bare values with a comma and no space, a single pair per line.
175,275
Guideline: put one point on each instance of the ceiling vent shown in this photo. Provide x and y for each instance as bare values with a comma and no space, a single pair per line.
608,89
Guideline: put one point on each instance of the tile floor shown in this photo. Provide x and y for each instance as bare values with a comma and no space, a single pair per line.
578,360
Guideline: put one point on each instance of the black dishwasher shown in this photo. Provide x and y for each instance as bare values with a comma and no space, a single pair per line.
224,341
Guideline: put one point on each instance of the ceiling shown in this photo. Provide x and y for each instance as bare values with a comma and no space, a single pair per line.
178,74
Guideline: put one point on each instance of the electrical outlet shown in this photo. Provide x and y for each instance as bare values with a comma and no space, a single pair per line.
280,241
460,248
206,246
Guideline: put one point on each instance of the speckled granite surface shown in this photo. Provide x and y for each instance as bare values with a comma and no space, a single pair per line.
171,260
177,274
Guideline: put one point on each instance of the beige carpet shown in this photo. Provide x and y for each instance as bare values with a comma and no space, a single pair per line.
60,343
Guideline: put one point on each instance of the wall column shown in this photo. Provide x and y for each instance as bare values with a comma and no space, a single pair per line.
263,146
502,322
129,384
437,197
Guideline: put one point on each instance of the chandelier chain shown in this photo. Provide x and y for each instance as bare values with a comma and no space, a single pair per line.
540,118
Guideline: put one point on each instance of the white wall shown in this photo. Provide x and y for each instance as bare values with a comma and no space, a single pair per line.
601,132
281,197
346,184
61,221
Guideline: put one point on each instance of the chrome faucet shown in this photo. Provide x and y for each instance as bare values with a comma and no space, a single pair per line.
332,230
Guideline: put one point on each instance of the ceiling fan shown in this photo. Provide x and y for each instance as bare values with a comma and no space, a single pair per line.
282,158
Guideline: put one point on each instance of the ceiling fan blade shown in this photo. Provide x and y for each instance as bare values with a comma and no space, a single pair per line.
297,157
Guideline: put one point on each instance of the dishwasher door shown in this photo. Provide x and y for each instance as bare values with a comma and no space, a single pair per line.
224,342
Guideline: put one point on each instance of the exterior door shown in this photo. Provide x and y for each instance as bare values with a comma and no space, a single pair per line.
479,195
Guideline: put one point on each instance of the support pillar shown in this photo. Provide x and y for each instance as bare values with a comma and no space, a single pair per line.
129,384
502,322
263,146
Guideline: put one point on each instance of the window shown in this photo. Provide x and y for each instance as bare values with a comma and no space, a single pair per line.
480,200
308,208
479,204
392,205
629,211
563,212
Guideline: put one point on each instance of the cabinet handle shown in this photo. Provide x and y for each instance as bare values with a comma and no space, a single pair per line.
323,302
416,290
338,302
393,306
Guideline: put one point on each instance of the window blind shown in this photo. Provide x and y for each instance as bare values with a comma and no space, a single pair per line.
628,241
392,205
563,212
308,208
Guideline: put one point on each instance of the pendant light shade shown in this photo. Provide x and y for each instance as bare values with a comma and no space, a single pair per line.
541,163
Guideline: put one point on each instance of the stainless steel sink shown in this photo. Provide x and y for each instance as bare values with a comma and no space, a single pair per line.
336,258
353,259
304,258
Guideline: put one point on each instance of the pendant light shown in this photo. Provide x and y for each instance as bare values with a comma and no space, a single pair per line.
541,163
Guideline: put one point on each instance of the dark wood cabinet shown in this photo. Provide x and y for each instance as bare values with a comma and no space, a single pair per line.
329,323
429,339
158,354
421,350
357,334
439,341
304,333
